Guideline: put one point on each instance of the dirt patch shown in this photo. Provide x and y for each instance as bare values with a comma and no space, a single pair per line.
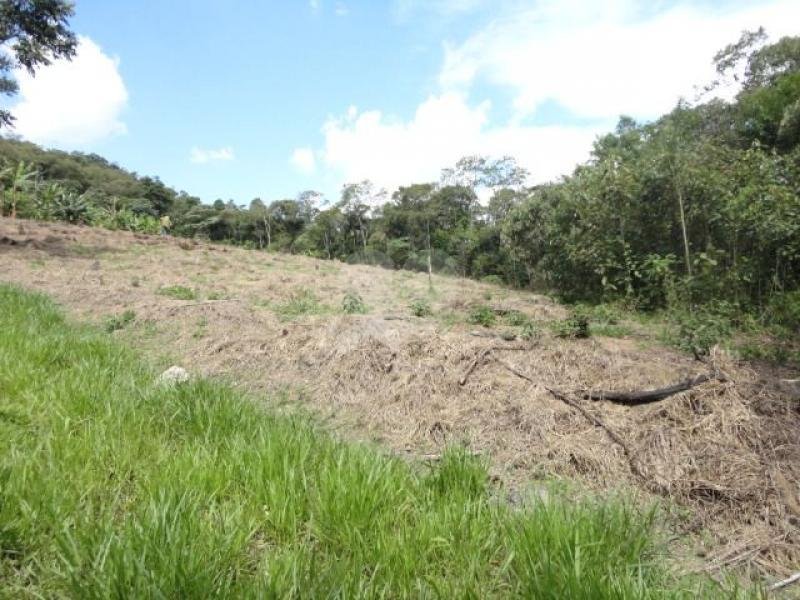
726,453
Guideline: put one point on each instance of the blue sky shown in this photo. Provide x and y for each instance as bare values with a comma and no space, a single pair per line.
238,99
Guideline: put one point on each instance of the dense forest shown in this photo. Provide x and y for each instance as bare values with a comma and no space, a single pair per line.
700,207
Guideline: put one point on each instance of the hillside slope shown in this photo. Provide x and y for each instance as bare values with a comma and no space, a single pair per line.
727,450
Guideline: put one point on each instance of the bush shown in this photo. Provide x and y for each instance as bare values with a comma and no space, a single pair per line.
421,308
784,310
575,326
482,315
353,304
492,279
700,329
179,292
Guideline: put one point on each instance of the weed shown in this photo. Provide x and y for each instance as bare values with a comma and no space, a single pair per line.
516,318
117,322
576,325
302,302
135,282
420,307
482,315
179,292
353,304
530,331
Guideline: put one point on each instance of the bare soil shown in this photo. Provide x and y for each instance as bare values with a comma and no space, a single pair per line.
725,455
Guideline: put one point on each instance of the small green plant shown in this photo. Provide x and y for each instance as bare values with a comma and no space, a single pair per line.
216,295
200,330
575,326
353,304
482,315
117,322
516,318
530,331
179,292
420,307
301,302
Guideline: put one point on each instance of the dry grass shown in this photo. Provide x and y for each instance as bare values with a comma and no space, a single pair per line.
726,454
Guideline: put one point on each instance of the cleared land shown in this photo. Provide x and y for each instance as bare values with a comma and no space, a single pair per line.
725,455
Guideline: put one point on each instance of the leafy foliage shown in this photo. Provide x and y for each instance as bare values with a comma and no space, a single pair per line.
420,307
482,315
353,304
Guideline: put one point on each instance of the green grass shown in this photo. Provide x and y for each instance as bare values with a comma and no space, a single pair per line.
114,487
179,292
302,302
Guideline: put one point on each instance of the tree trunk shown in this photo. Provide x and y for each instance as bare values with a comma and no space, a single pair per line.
683,230
430,263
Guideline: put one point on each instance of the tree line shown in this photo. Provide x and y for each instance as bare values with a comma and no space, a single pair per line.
701,205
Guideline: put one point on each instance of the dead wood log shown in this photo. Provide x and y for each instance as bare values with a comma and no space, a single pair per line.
647,396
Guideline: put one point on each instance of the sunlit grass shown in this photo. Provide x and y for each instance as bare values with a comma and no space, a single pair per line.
111,486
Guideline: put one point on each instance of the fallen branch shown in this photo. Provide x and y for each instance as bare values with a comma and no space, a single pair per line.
646,396
482,355
785,582
205,302
503,335
597,421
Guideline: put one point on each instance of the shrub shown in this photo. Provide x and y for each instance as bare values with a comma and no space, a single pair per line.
117,322
421,308
784,310
576,325
353,304
179,292
482,315
699,329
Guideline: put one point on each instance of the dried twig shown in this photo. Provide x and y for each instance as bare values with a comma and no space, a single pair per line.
205,302
482,355
785,582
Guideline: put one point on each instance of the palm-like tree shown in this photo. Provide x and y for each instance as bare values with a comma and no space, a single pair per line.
21,179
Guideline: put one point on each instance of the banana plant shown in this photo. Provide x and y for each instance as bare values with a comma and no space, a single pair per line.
22,178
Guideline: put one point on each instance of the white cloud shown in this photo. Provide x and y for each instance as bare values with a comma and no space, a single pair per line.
605,59
369,145
314,5
72,103
341,9
599,60
303,160
202,155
